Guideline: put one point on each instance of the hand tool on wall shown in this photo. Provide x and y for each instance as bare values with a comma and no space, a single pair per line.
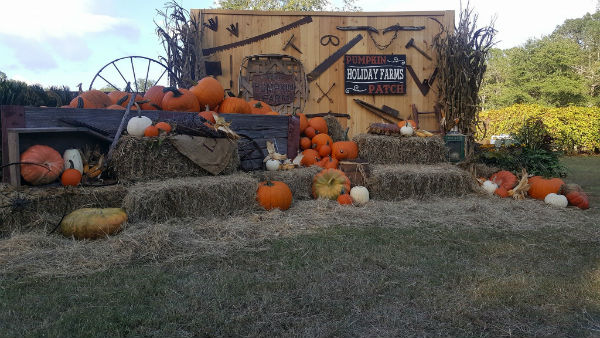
330,39
289,43
358,28
331,59
212,24
233,29
411,43
397,27
325,93
393,28
377,111
426,84
212,50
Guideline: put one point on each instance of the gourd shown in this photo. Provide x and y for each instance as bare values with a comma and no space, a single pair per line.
274,194
344,198
272,165
70,176
556,200
209,92
72,159
179,100
137,125
407,129
41,164
540,187
93,222
330,183
504,179
360,195
344,150
489,186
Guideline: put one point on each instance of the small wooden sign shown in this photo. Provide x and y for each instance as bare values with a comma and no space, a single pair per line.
375,74
274,88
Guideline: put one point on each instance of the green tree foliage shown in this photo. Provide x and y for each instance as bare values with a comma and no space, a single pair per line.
2,75
14,92
288,5
559,70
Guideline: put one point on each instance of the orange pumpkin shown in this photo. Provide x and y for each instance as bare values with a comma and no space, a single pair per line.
319,124
303,122
41,164
91,99
501,191
344,150
330,183
179,100
328,163
310,157
164,126
259,108
321,140
209,92
344,198
324,150
575,195
540,187
208,115
154,95
274,194
151,131
115,107
401,124
70,177
505,179
305,143
310,132
234,105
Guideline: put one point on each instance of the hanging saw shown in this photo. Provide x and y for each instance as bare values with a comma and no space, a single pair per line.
331,59
212,50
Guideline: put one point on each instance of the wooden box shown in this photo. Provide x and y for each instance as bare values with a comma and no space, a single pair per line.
358,171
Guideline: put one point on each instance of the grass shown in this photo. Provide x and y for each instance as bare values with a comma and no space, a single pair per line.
391,276
585,171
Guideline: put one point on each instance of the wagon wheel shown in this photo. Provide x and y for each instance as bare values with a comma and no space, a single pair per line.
124,73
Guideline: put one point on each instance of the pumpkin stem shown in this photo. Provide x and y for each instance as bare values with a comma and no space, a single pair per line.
175,91
41,165
123,99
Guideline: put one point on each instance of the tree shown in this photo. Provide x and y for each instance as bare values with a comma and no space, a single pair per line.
288,5
2,75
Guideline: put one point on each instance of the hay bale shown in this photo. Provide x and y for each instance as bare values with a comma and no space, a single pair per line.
478,169
400,181
335,129
191,197
144,159
379,149
299,180
43,207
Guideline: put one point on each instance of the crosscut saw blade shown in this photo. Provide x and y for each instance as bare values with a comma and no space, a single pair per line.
212,50
331,59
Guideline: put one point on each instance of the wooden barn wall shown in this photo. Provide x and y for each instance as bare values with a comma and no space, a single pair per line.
307,36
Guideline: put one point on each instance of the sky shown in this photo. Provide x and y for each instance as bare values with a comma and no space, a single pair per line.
66,42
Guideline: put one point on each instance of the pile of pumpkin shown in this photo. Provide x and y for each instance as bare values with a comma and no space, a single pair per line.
402,128
318,147
329,183
552,191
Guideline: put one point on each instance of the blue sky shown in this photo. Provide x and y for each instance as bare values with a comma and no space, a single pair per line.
65,42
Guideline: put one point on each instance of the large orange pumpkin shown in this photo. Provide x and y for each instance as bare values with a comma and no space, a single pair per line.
540,187
47,164
319,124
91,99
258,107
209,92
154,95
234,105
575,195
274,194
344,150
179,100
330,183
505,179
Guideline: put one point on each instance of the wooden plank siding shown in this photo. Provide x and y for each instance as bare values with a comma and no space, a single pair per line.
307,39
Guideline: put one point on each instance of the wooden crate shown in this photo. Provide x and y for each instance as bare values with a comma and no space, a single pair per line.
25,126
358,171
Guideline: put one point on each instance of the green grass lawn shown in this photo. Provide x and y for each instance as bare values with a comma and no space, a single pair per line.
396,279
585,171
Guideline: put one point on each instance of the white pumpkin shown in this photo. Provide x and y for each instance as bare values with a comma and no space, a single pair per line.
407,130
489,186
272,165
137,125
360,195
556,200
74,156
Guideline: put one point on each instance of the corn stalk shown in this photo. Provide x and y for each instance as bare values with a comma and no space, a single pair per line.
461,60
180,36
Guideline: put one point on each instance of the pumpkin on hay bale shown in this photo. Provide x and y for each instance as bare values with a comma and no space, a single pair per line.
379,149
139,159
299,180
206,196
29,208
400,181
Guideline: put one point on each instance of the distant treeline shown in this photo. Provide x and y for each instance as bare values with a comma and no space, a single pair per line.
14,92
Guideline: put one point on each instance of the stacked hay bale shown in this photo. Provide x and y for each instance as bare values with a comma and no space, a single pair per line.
411,167
143,159
299,180
335,129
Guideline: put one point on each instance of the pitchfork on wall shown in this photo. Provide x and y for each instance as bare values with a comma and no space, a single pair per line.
325,93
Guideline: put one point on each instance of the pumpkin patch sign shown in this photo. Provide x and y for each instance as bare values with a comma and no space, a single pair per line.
375,74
